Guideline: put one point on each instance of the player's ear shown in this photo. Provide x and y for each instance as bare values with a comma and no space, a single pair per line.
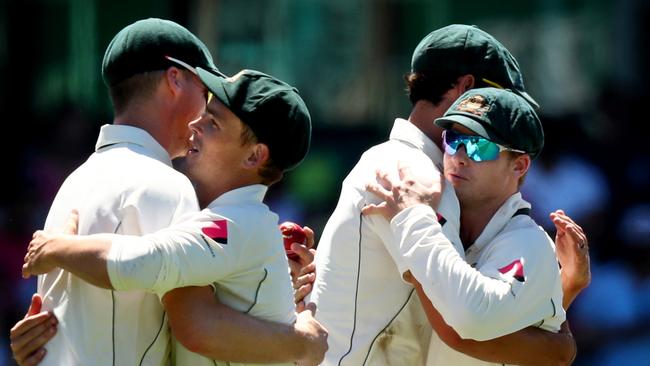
258,155
521,164
173,79
462,84
465,83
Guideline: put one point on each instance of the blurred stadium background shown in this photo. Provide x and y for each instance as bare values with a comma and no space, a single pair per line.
584,61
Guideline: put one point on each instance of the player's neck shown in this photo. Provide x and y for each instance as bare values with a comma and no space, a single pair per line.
422,116
476,213
474,217
207,192
153,119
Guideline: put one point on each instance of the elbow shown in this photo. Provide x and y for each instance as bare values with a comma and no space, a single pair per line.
195,339
191,340
561,360
192,343
454,341
567,355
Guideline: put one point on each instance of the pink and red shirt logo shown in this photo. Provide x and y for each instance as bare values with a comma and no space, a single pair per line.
217,231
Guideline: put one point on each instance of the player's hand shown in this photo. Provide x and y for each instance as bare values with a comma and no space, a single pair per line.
29,335
572,250
314,334
303,270
405,192
37,260
38,257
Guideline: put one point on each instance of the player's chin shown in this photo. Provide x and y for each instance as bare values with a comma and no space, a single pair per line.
181,164
463,191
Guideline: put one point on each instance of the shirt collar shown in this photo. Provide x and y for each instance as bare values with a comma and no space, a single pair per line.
500,219
249,194
406,132
121,134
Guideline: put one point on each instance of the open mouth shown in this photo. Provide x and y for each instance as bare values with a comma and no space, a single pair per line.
192,148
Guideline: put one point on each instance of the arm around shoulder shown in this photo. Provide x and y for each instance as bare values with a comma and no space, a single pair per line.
486,311
83,256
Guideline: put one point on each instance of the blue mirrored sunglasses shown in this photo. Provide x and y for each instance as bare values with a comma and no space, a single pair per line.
477,148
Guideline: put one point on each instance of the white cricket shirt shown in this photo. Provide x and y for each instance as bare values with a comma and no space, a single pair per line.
510,281
234,245
127,186
362,300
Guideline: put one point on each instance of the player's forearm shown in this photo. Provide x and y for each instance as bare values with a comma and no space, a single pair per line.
273,342
207,327
530,346
83,256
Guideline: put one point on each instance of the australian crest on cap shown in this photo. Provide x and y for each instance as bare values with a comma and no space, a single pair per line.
474,104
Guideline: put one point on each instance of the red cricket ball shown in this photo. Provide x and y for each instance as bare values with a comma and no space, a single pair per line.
292,233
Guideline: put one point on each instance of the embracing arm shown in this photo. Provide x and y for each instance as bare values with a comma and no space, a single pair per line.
476,305
479,304
529,346
84,256
167,259
205,326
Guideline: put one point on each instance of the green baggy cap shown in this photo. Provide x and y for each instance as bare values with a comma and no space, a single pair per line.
465,49
272,109
147,45
500,116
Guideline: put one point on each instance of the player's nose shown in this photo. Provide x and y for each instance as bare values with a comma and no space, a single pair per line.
196,125
460,157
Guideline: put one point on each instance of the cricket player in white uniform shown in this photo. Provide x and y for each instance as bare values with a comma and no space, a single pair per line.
509,279
128,186
371,314
238,148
